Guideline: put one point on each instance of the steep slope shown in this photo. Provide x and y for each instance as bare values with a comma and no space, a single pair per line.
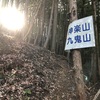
32,73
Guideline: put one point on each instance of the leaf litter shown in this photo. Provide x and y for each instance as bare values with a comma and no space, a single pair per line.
29,72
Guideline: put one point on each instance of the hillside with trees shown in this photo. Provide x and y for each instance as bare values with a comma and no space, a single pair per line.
33,62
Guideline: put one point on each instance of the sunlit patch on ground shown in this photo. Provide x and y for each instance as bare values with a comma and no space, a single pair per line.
11,18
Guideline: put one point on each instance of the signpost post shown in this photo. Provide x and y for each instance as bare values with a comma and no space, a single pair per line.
74,38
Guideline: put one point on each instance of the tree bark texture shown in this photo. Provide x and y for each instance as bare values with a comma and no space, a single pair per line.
93,68
54,26
50,25
96,36
77,63
32,21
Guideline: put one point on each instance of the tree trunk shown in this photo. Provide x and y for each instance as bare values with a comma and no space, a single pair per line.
43,23
93,75
50,25
54,26
22,35
41,26
38,33
77,63
26,10
32,21
96,36
16,3
11,2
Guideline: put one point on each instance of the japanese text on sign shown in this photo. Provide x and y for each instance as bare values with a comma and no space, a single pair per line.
80,34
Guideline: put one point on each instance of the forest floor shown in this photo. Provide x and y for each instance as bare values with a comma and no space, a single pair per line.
29,72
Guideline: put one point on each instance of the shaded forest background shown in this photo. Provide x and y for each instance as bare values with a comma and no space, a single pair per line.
46,26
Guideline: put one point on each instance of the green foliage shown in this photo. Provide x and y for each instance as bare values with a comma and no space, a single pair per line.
27,92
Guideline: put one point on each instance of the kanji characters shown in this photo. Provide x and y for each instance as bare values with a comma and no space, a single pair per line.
70,41
86,38
86,27
81,34
77,28
71,30
78,39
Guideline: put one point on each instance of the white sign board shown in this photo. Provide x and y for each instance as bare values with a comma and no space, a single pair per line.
80,34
